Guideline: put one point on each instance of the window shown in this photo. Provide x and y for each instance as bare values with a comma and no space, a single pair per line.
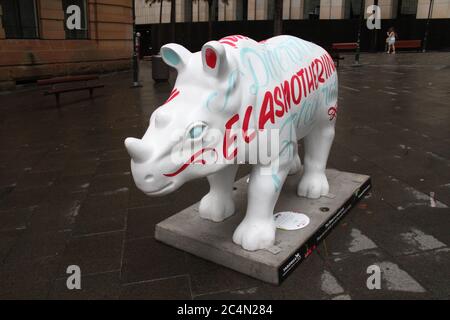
215,10
19,19
311,9
270,9
241,9
187,10
408,7
353,9
81,33
195,11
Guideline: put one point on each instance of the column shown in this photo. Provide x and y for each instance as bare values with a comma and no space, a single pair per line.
251,10
228,12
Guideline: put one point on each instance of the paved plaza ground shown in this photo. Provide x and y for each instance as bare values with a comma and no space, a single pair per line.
67,195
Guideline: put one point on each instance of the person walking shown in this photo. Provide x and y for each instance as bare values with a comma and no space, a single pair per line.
391,36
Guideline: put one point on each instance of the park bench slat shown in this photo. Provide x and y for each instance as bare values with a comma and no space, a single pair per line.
337,46
63,90
416,44
53,82
344,46
67,79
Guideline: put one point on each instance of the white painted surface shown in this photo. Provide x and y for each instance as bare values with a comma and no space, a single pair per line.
360,242
329,284
397,279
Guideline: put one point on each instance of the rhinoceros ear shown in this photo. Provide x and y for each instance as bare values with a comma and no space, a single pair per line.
175,55
214,57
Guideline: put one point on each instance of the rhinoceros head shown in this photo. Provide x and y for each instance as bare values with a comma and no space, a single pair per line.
185,136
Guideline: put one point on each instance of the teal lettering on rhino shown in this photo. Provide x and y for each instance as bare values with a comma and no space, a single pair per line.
232,78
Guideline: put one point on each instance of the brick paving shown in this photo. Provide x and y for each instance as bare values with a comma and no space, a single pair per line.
67,196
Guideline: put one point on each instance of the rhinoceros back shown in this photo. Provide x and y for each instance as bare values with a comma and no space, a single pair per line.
287,80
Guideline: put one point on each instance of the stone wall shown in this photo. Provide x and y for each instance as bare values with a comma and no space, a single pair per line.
108,47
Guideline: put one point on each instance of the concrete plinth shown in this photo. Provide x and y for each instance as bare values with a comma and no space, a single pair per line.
213,241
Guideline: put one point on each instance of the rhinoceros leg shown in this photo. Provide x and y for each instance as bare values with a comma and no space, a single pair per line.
218,204
314,183
296,163
257,229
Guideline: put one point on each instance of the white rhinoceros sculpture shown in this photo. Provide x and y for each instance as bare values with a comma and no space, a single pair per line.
229,101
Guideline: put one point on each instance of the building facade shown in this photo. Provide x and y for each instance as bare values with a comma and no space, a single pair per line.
232,10
44,38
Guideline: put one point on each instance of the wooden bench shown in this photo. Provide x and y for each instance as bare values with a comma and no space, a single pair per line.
56,89
341,46
408,44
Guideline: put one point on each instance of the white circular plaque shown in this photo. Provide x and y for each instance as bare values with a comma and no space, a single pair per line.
288,220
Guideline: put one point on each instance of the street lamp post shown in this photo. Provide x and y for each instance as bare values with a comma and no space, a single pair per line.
425,36
135,50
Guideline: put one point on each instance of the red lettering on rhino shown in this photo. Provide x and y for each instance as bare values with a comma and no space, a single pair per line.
172,96
232,40
192,159
229,139
277,102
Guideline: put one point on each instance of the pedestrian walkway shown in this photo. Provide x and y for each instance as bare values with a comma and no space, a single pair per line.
67,195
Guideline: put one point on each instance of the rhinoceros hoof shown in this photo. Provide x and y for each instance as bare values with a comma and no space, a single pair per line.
216,208
313,185
255,235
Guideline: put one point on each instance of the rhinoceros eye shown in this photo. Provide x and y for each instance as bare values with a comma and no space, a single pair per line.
196,131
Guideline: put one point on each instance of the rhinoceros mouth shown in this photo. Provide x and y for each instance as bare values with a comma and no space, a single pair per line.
193,159
160,190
